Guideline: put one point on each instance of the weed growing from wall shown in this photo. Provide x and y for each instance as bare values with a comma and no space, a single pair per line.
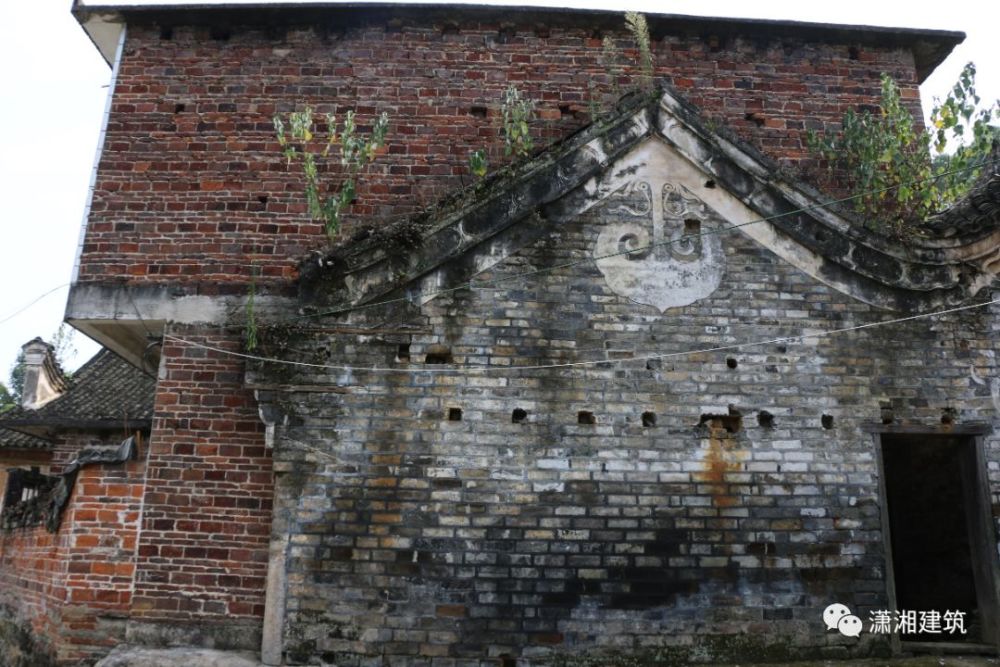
637,26
612,61
250,330
957,120
478,163
298,142
517,112
888,160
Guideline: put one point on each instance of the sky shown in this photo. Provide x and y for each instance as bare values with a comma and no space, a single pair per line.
56,87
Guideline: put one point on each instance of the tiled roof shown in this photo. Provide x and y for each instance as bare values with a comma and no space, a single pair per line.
16,440
105,391
976,214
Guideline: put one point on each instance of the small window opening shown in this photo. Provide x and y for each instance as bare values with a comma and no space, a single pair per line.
438,354
263,199
653,364
948,416
731,362
710,184
692,227
826,421
648,419
454,414
403,352
518,416
756,118
586,417
854,53
478,111
179,107
565,110
765,419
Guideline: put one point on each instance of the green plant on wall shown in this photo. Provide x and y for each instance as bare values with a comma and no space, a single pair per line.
639,28
957,120
611,61
250,330
517,112
298,141
887,159
478,163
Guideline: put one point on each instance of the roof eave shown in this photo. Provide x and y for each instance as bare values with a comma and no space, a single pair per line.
47,428
104,21
103,27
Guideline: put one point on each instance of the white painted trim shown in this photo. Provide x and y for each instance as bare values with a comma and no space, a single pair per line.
97,157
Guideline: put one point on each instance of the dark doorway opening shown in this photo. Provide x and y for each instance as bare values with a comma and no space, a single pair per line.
940,547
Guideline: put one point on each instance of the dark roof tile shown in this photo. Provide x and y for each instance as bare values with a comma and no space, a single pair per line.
16,440
104,390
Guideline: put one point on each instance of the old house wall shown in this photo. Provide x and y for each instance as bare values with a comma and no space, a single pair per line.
64,596
422,522
191,193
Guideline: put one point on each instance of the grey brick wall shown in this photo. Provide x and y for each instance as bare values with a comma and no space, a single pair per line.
481,541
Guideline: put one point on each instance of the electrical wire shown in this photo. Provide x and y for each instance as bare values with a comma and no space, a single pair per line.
577,364
32,303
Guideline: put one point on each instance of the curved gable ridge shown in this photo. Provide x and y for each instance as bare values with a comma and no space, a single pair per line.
666,144
796,223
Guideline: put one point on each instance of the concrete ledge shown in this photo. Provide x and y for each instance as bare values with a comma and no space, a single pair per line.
228,635
140,656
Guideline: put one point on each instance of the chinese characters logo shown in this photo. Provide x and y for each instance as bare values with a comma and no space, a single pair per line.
883,621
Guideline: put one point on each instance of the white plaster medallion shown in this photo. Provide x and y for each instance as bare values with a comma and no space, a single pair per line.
684,263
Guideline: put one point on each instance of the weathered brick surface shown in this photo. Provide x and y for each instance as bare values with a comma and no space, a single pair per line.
460,542
202,553
74,587
191,186
31,580
426,539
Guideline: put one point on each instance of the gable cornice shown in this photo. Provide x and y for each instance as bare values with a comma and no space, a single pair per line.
420,257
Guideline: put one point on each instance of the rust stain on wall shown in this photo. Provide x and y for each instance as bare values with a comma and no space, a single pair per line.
722,457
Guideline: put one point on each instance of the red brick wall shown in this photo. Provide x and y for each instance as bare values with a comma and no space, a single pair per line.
191,186
207,517
74,586
31,580
99,554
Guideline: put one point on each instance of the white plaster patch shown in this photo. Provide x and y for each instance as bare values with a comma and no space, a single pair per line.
674,262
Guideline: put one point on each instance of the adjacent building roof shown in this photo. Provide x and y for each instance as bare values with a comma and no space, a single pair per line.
106,392
16,440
